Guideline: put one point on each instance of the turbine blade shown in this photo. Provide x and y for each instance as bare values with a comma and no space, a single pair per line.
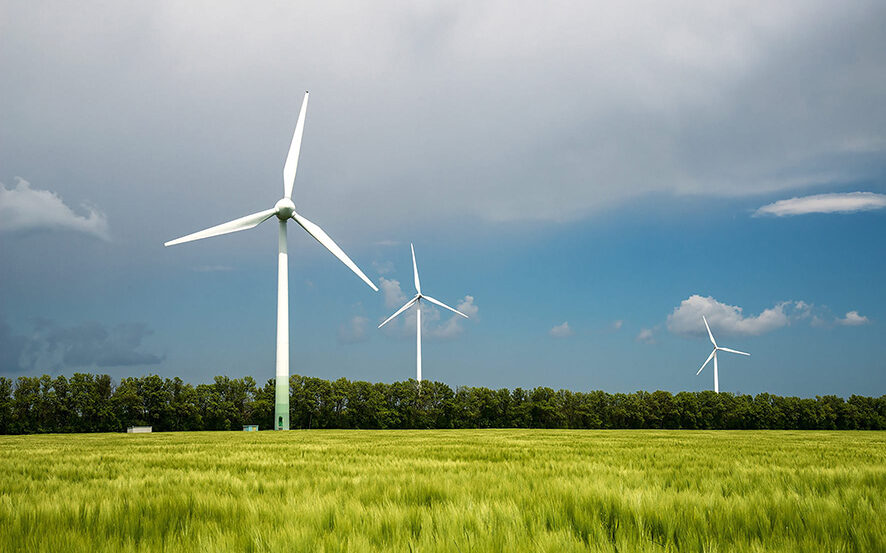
735,351
243,223
291,164
711,336
415,270
328,243
441,304
711,356
402,309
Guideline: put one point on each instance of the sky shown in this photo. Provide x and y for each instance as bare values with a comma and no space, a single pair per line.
584,180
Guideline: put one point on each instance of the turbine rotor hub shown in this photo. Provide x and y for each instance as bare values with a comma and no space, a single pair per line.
285,208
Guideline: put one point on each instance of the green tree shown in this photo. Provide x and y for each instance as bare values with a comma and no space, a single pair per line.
6,423
128,403
546,410
25,405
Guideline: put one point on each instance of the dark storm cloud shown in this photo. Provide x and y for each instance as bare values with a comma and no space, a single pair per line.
93,343
12,346
51,346
498,111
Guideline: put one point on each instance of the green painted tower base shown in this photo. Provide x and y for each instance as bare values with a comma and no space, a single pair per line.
281,406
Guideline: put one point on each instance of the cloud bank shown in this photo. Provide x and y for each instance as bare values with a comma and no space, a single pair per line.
86,345
497,102
851,202
23,208
725,319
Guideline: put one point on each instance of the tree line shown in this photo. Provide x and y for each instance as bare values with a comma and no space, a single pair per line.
94,403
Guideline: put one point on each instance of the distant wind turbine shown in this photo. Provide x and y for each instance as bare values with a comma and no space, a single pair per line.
713,356
284,210
417,302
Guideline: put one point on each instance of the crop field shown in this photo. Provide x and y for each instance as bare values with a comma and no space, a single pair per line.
455,490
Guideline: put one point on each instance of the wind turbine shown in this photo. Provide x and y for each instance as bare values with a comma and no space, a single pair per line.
417,302
713,356
284,209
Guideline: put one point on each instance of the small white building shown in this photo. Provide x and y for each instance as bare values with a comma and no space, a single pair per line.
250,428
139,430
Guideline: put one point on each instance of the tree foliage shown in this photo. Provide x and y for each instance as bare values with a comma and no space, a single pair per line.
93,403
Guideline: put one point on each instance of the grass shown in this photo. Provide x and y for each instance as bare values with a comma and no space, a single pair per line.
471,490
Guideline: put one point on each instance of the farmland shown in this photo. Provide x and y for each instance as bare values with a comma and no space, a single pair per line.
445,490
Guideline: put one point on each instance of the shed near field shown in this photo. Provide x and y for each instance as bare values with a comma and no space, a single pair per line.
250,428
139,429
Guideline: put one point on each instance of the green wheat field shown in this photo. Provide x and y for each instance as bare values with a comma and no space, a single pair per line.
446,490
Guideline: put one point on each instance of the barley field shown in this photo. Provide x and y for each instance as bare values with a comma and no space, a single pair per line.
455,490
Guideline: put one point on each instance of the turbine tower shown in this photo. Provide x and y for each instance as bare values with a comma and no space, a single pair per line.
713,356
417,302
284,209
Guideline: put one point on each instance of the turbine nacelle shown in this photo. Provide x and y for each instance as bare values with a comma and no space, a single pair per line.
284,209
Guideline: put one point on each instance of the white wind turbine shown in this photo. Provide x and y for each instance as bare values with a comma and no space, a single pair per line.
284,210
713,356
417,302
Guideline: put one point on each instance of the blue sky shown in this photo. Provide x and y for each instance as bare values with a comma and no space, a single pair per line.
602,169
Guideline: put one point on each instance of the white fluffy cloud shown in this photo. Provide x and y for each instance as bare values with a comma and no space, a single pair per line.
852,318
646,336
686,319
561,330
825,203
467,306
23,208
616,325
392,293
452,327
